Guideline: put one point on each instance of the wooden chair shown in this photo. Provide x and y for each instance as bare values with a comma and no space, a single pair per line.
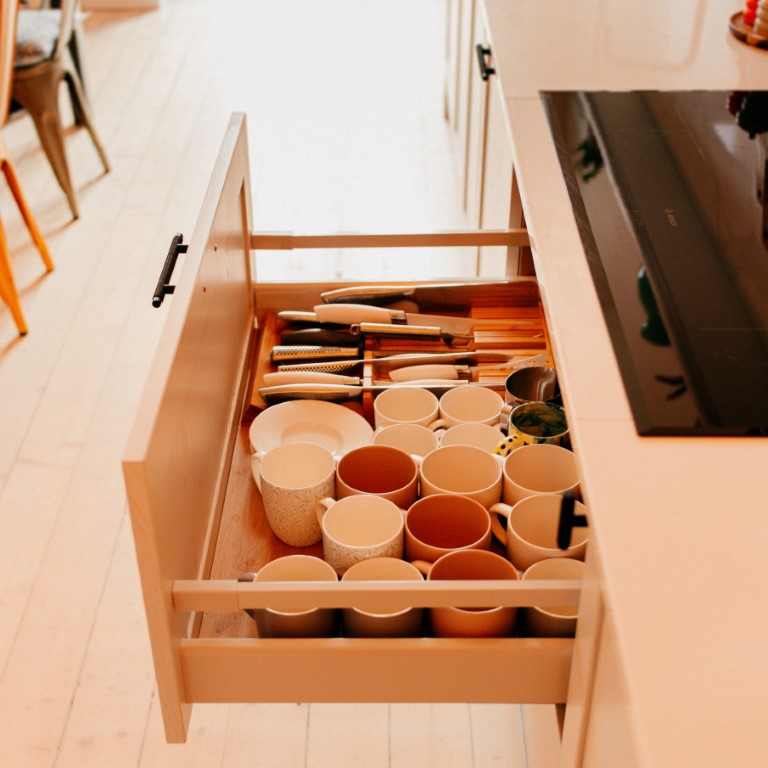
8,291
43,60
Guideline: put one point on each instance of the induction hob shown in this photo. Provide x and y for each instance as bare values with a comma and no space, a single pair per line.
668,193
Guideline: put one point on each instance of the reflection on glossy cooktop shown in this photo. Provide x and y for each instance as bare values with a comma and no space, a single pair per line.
668,193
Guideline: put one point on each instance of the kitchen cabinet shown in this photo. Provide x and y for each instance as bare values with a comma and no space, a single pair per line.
198,521
478,117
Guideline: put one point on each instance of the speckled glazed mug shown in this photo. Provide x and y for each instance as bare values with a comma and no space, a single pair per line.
358,528
292,478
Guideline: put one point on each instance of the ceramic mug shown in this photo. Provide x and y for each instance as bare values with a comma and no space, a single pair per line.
358,528
405,405
380,470
539,468
292,478
466,564
553,621
414,439
531,531
462,469
470,403
442,523
485,436
533,423
315,622
389,620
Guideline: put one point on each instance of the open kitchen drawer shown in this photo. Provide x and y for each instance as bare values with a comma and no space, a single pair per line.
198,522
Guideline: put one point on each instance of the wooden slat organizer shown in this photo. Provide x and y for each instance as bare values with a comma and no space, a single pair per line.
198,521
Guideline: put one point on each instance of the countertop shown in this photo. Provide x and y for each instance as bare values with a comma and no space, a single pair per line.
681,524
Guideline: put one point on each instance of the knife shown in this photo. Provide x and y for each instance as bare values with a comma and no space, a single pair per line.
339,392
315,352
391,362
448,294
348,314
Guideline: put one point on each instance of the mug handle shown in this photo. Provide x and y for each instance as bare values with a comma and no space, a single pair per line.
255,467
438,424
496,527
321,507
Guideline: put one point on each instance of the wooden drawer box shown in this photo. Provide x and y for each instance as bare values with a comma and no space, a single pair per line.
198,521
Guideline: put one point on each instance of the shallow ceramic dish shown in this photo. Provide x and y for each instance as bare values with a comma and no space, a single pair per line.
310,421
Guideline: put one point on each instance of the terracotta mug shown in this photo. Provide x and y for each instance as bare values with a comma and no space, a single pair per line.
358,528
292,478
442,523
466,564
531,531
315,622
380,470
388,621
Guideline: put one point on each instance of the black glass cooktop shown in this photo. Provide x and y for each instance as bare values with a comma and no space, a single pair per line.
668,193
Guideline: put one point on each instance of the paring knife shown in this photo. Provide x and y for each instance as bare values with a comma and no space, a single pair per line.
448,294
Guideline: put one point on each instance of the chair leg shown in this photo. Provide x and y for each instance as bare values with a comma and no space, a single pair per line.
26,213
39,96
8,291
84,111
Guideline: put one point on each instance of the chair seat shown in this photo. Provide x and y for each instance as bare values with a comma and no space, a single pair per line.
36,35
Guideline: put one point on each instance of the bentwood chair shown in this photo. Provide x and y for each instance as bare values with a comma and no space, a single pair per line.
8,291
43,60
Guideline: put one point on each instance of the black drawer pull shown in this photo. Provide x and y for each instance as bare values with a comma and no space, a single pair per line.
163,284
568,520
485,70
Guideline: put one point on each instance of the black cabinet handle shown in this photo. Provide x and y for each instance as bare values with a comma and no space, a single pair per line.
568,520
163,284
485,70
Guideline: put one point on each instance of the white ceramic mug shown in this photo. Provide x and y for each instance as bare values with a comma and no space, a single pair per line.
380,470
485,436
466,564
315,622
292,478
470,403
531,531
388,620
414,439
462,469
539,468
358,528
554,620
405,405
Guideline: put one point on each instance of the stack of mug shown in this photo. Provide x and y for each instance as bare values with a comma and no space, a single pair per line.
440,493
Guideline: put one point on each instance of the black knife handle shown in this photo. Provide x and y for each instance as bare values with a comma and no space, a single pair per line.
320,336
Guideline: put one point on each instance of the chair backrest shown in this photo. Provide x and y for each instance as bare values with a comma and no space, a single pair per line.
8,10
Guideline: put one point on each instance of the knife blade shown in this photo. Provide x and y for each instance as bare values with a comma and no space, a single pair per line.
340,392
350,314
307,352
391,362
447,294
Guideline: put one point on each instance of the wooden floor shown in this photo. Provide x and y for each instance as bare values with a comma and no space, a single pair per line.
344,102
